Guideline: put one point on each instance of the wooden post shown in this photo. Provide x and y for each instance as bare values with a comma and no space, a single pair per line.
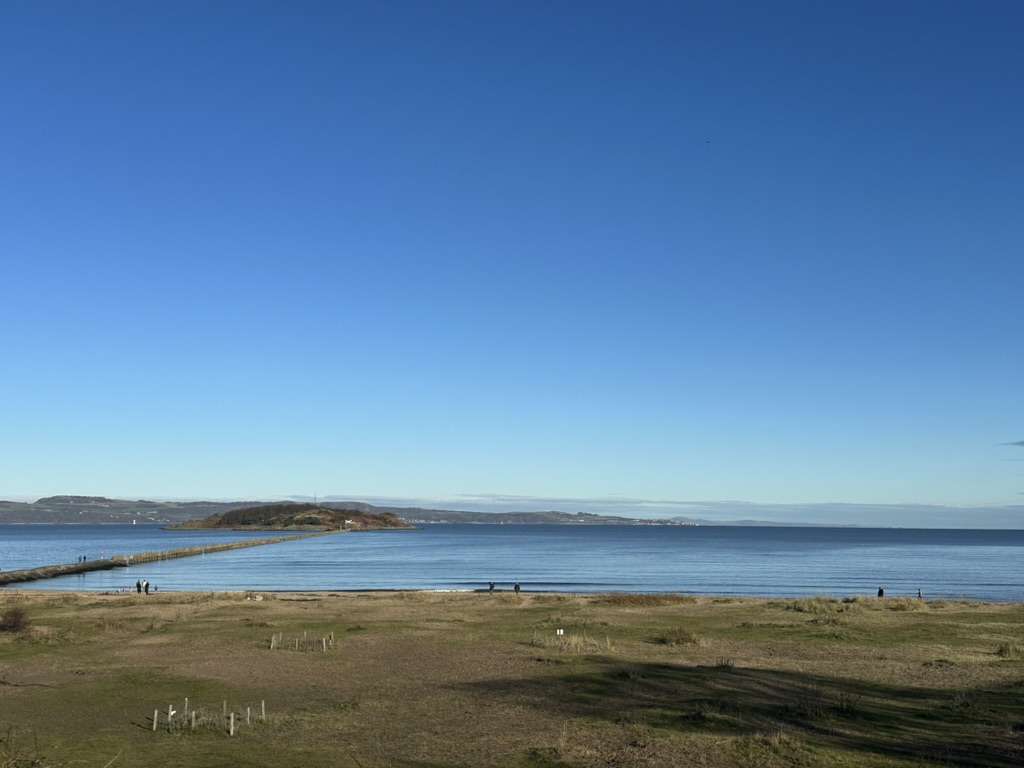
248,716
263,710
193,719
156,717
185,711
231,729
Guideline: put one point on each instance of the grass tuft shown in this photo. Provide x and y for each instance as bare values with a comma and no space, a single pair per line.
818,606
809,704
771,748
579,644
849,704
1010,651
677,636
14,619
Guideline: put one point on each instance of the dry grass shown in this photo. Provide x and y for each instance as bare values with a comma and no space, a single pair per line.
646,601
21,750
904,604
430,680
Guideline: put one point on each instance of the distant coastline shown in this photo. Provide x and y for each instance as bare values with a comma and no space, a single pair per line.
93,510
96,510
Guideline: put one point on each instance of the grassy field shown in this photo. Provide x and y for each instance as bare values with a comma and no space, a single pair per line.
421,680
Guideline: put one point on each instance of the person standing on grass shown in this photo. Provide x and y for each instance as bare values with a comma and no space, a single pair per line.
881,591
138,586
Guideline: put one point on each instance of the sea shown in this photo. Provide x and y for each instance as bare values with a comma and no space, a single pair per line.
755,561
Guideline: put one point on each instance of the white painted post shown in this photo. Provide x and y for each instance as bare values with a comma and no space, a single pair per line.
263,710
248,716
185,710
156,717
325,645
193,719
231,731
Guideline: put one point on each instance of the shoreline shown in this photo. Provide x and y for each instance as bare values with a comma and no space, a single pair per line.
638,597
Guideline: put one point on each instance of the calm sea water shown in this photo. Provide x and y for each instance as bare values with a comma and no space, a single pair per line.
709,560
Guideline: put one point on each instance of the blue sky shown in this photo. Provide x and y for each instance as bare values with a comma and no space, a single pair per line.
653,251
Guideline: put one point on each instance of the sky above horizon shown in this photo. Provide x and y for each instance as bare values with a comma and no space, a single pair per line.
657,251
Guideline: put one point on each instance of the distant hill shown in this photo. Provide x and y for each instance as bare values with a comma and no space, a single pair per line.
100,509
297,516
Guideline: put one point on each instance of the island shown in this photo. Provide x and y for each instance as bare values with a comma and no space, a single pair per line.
296,517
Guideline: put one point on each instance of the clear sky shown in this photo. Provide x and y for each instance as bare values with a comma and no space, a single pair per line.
680,251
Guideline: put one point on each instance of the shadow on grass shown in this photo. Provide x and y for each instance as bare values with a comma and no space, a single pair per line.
965,727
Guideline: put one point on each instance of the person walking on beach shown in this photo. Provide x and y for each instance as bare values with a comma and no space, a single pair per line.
919,594
145,587
881,591
516,588
490,587
138,586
